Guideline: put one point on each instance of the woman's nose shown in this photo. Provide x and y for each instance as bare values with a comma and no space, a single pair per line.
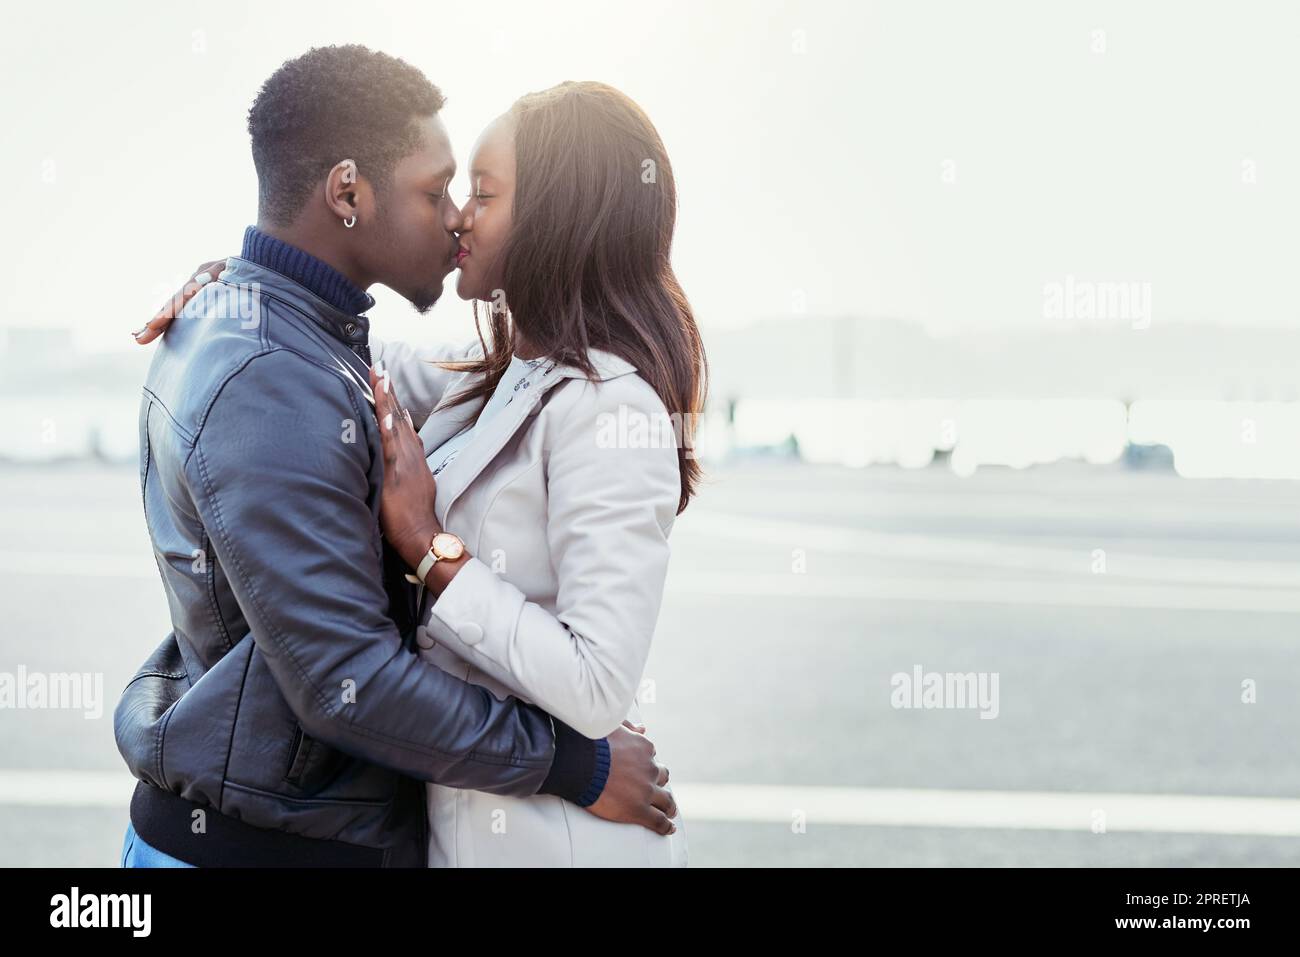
457,218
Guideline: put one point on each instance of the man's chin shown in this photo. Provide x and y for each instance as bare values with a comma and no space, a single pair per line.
423,301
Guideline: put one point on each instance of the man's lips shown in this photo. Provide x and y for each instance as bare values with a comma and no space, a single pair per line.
461,254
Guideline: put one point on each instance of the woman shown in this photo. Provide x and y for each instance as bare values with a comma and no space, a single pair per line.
541,448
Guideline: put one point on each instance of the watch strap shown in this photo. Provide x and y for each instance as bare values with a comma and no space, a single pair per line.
423,568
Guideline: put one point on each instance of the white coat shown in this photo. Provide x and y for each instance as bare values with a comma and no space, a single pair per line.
565,499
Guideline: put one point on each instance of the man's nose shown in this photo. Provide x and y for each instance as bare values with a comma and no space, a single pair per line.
456,218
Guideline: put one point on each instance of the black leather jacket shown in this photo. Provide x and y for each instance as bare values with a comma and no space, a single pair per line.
287,708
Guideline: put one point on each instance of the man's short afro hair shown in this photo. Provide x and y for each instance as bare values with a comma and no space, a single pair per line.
334,103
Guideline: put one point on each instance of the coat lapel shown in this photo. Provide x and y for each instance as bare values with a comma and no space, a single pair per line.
498,430
485,445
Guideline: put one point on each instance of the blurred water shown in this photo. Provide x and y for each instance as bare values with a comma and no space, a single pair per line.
1208,439
61,427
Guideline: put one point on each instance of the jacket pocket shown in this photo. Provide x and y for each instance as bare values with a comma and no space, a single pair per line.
294,770
312,765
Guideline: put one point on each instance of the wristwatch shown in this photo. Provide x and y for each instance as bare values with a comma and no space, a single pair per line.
445,547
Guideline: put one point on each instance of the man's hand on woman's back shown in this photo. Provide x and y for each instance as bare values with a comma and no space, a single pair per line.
634,792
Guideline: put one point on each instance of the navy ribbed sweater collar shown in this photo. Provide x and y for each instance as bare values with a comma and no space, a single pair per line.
304,268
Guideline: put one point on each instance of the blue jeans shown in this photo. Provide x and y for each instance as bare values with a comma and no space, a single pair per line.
136,853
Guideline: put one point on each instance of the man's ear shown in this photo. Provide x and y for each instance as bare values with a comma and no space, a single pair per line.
346,194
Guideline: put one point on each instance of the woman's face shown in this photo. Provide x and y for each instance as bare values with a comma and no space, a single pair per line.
487,214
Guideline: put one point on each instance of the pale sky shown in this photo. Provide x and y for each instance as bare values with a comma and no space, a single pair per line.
931,161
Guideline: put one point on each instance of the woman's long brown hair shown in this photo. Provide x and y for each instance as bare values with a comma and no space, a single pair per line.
587,259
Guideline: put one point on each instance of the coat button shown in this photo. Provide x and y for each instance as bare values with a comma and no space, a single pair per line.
423,638
349,327
470,633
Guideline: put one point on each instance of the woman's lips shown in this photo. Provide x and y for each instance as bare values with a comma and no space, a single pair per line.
460,255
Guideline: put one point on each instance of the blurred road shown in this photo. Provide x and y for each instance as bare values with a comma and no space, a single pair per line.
1121,613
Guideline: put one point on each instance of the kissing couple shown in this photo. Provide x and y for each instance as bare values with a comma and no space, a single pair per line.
411,595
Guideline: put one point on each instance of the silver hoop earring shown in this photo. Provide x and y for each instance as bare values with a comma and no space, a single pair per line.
350,221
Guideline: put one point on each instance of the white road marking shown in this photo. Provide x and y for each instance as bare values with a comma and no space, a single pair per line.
86,564
1098,592
875,807
50,788
1087,594
1015,810
1123,561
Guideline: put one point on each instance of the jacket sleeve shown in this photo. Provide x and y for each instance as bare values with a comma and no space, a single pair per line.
610,507
419,381
282,474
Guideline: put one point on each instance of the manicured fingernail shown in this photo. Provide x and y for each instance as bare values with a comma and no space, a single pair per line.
203,278
388,422
385,384
139,332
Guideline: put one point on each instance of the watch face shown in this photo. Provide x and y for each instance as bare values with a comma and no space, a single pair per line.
446,545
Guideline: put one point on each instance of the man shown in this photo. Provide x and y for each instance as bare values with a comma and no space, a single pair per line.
286,720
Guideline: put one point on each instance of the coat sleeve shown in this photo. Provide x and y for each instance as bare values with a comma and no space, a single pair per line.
610,506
